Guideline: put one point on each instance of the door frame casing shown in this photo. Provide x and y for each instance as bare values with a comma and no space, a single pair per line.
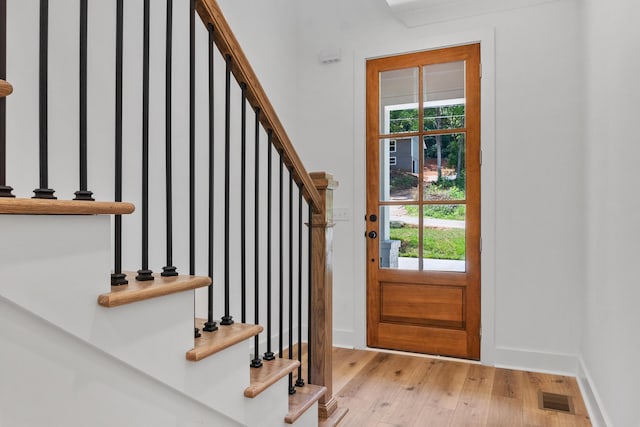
486,38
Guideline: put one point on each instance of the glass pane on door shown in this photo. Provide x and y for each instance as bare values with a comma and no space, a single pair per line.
444,167
444,82
399,166
444,96
399,101
444,228
399,237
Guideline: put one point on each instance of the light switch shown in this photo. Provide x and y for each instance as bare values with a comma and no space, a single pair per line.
341,214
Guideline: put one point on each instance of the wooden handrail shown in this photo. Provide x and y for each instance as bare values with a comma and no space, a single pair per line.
210,13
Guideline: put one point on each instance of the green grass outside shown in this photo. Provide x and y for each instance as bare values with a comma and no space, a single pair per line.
439,243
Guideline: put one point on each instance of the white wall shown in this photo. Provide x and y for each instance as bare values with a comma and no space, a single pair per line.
537,166
266,32
610,345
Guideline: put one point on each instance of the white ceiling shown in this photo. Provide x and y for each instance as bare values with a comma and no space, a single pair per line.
413,13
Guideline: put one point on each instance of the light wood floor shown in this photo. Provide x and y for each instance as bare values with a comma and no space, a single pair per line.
398,390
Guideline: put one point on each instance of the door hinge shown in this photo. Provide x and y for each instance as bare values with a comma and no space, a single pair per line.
480,157
480,244
480,331
480,69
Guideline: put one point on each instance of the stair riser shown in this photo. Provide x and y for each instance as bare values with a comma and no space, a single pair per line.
217,380
268,408
55,266
308,419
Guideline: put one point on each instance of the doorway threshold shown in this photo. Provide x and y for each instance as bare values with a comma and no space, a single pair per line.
426,356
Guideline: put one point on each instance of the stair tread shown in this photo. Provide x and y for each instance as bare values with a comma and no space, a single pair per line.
5,88
302,400
212,342
9,205
139,291
270,372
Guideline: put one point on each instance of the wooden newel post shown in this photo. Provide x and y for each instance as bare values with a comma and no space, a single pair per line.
322,292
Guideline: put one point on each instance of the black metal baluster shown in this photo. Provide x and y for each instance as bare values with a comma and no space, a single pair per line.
169,269
227,319
192,137
118,278
192,142
256,362
310,272
5,191
292,389
300,381
44,192
281,252
210,325
243,206
83,193
268,355
144,273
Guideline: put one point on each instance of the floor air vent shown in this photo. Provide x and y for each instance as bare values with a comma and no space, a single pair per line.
555,402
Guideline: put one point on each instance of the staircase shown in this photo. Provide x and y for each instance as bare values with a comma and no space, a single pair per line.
143,336
77,351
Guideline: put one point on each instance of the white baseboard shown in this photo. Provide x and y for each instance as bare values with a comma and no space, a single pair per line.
527,360
591,397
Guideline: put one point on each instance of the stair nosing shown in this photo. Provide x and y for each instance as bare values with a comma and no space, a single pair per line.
19,206
137,291
283,368
317,392
244,332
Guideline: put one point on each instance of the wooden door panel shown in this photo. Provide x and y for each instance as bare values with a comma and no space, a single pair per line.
426,305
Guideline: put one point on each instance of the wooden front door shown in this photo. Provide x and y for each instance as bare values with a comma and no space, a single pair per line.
423,202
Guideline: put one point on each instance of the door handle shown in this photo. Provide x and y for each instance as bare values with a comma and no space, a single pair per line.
372,234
